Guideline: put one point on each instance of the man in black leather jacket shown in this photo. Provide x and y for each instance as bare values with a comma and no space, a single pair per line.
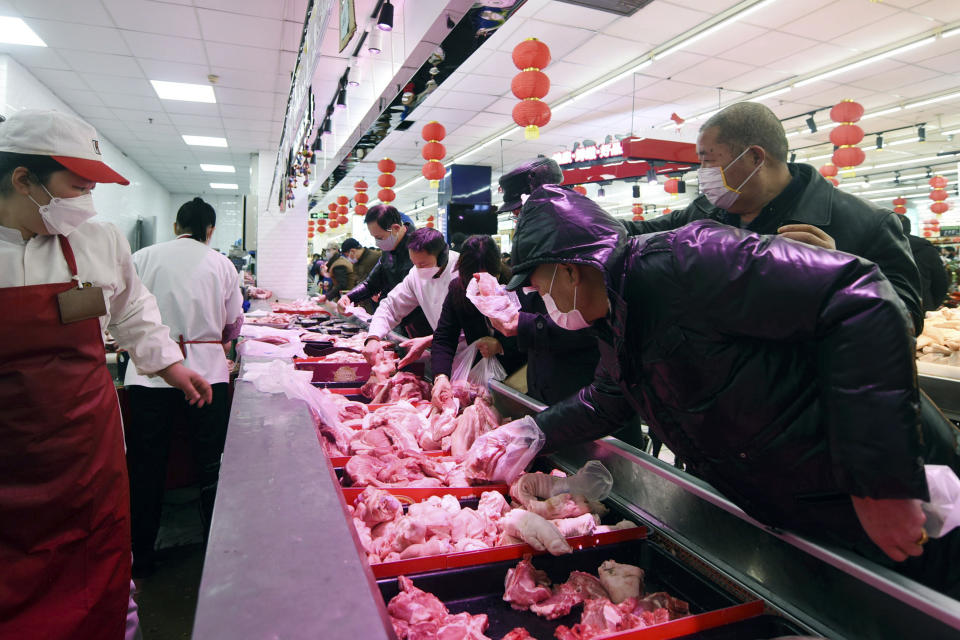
793,200
782,373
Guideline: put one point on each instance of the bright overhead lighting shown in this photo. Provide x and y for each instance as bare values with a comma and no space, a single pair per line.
882,112
16,31
904,161
765,96
952,32
949,96
866,61
205,141
950,133
219,168
223,185
183,91
717,27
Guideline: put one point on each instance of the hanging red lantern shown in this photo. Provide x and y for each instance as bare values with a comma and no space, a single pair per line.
309,234
531,86
900,201
429,225
430,219
334,224
360,209
900,210
386,180
939,182
582,190
846,135
387,166
361,198
433,152
343,219
939,195
433,130
332,207
939,207
672,186
834,182
828,170
848,157
846,111
342,200
434,172
386,196
342,211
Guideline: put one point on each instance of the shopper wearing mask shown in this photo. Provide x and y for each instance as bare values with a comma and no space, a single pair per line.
782,373
392,235
64,503
341,272
362,259
559,362
746,181
198,292
316,267
478,254
425,287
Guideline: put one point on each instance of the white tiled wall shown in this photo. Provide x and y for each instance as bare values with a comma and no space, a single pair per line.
229,210
121,205
282,260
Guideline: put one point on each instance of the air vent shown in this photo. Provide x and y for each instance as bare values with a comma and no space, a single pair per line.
406,124
619,7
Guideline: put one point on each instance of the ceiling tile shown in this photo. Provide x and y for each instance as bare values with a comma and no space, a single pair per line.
184,121
674,63
35,57
154,17
246,98
247,7
660,18
104,63
778,14
896,27
839,17
940,10
191,108
127,101
64,35
712,72
117,84
78,98
292,33
562,39
565,14
813,59
220,26
93,111
767,48
754,80
240,111
605,52
58,80
160,47
731,36
76,11
175,71
231,56
892,79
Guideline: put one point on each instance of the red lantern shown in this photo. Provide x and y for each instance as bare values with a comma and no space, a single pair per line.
672,186
530,85
334,224
939,207
360,209
342,211
430,219
386,180
433,151
429,225
387,166
939,182
582,190
434,171
939,195
834,182
846,111
386,196
332,207
342,200
900,210
667,210
309,234
846,135
829,170
848,157
360,185
361,198
900,202
343,219
433,130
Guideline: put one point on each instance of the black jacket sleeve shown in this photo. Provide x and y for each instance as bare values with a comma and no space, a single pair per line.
445,337
374,284
340,274
890,250
932,269
673,220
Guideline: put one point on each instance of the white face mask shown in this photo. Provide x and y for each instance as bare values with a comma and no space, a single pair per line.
570,320
389,243
425,273
713,184
63,215
329,253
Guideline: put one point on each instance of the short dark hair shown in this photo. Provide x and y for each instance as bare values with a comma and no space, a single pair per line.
745,124
905,223
349,244
431,241
42,167
194,217
384,215
478,253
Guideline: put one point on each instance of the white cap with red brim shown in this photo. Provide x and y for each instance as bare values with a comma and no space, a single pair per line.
65,138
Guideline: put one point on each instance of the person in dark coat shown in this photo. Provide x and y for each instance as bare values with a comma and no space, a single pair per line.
559,363
933,275
477,254
363,260
391,234
782,373
342,277
745,148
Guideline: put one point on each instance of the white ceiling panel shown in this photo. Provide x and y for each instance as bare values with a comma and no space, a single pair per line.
95,111
564,14
117,84
674,63
78,98
755,79
263,99
939,10
712,72
292,33
561,39
160,47
768,47
88,12
892,79
248,7
154,17
896,27
837,18
733,35
105,63
141,117
191,108
59,80
63,35
35,57
175,71
605,52
818,57
251,59
220,26
250,113
659,19
127,101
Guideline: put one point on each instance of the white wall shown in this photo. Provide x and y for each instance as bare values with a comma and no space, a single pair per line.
121,205
282,259
229,210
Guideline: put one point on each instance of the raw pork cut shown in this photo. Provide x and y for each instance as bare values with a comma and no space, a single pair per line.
412,470
525,585
374,506
518,634
621,581
418,615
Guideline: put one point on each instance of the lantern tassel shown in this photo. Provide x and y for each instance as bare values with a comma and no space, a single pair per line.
531,132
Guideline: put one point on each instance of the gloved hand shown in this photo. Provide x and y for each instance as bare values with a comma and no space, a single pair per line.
373,352
415,348
508,328
502,454
344,304
535,531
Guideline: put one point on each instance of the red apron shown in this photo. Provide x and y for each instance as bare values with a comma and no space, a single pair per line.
64,493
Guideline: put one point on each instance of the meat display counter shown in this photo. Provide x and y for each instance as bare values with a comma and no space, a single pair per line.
284,561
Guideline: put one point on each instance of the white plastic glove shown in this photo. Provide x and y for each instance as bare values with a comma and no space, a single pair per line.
535,531
501,455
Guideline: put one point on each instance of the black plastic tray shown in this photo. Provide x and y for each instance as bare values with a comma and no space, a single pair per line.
480,589
759,628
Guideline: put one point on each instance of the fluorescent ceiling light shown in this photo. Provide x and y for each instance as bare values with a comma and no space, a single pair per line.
219,168
949,96
765,96
16,31
882,112
711,30
205,141
952,32
950,133
866,61
411,183
223,185
183,91
904,161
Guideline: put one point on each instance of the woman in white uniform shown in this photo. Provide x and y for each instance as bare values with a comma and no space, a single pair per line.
425,286
198,292
64,504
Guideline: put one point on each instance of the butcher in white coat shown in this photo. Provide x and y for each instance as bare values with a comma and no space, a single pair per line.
425,286
198,292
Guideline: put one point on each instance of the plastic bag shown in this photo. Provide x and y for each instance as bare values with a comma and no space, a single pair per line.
501,455
463,361
495,302
486,370
592,481
278,376
943,510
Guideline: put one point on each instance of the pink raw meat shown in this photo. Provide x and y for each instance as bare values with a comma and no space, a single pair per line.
518,634
374,506
525,585
413,605
417,615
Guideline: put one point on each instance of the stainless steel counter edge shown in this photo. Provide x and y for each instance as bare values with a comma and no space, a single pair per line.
283,561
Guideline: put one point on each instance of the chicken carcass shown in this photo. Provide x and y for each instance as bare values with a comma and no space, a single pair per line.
525,585
518,634
621,581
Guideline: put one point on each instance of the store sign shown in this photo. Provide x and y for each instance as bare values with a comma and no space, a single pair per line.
590,154
950,232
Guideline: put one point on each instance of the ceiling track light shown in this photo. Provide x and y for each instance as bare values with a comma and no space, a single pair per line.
601,192
327,127
353,73
921,133
385,19
811,123
879,144
375,42
636,191
342,98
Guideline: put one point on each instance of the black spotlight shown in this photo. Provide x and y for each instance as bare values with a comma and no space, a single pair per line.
385,21
880,141
601,192
922,133
812,124
636,191
342,99
651,176
681,186
793,157
327,126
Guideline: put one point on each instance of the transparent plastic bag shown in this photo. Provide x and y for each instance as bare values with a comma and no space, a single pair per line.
463,362
486,370
495,302
592,481
501,455
943,510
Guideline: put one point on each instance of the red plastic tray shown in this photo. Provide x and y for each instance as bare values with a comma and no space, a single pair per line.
416,494
496,554
693,624
334,371
341,461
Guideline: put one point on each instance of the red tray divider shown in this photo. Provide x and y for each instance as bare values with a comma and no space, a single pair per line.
692,624
410,495
496,554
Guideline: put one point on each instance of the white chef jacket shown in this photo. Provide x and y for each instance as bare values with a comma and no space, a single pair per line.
103,260
198,291
413,292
